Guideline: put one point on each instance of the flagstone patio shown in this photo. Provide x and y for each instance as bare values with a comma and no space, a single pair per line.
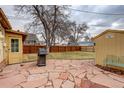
59,74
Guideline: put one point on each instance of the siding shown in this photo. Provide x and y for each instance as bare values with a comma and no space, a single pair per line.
109,46
13,57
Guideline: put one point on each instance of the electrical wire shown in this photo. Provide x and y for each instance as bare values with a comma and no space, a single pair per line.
100,13
83,11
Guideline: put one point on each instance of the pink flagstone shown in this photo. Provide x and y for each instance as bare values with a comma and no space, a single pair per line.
57,83
12,81
64,76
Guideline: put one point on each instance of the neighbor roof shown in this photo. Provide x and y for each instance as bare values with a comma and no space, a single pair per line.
4,20
31,36
106,31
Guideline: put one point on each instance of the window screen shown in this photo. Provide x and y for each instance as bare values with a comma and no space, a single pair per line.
14,45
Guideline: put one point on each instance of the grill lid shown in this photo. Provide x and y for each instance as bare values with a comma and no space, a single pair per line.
42,51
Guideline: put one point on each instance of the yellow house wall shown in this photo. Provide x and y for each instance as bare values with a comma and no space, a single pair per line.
1,43
13,57
29,57
2,47
109,46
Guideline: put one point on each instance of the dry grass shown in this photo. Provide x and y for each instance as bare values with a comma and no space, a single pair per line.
72,55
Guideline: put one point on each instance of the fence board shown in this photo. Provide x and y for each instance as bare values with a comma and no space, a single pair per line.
34,48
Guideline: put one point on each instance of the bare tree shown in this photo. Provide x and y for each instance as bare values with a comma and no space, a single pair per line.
87,38
45,20
64,32
73,32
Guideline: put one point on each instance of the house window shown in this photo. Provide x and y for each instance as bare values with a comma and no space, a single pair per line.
14,45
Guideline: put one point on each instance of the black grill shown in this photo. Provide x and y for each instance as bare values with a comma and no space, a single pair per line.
42,57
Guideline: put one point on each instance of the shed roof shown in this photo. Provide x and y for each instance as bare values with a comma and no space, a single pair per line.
106,31
18,33
4,20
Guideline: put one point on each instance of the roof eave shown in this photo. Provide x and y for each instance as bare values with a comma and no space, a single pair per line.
5,19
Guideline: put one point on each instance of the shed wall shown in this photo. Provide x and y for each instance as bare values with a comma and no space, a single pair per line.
109,46
13,57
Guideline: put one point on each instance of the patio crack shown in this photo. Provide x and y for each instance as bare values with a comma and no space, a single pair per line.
71,80
48,80
19,85
115,79
107,74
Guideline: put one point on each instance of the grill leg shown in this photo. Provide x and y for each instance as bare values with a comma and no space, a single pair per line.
41,60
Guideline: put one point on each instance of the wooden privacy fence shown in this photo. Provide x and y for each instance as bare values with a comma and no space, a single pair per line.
34,48
64,48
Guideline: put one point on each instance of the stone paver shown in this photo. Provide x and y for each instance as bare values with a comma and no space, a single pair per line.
78,82
88,84
68,84
17,86
49,87
107,81
81,75
70,77
64,75
34,84
49,83
36,70
85,83
36,77
59,74
24,72
35,80
57,83
53,75
116,77
12,81
8,75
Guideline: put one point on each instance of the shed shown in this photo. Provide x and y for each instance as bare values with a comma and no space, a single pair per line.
14,44
109,47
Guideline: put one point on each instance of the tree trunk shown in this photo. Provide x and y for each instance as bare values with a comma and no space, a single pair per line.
47,48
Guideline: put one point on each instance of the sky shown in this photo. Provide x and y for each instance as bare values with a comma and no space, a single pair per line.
97,22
